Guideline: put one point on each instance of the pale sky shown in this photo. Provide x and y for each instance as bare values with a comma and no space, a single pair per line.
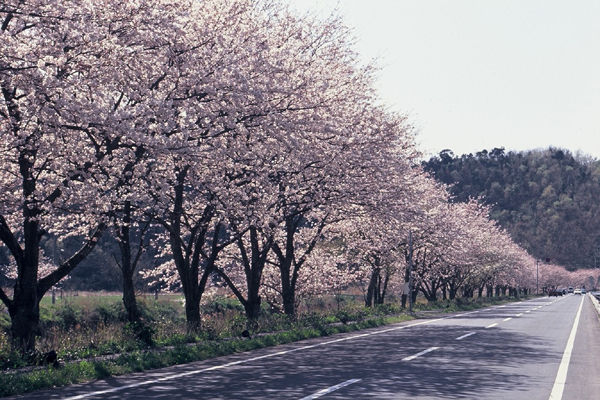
479,74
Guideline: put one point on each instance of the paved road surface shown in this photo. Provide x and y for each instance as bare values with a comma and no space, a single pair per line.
538,349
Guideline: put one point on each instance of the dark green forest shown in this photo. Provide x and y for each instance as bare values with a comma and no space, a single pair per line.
548,200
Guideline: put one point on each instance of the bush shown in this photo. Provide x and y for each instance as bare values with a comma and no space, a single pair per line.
140,331
107,313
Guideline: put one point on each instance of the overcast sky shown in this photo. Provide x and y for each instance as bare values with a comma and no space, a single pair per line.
479,74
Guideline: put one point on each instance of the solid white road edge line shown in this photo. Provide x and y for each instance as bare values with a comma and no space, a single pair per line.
330,389
561,376
429,350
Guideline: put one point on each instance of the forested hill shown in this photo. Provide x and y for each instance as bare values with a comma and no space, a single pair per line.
548,200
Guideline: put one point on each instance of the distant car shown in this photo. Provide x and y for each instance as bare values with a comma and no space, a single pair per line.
571,290
583,291
555,292
577,291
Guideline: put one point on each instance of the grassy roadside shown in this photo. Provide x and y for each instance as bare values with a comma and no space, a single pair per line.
19,382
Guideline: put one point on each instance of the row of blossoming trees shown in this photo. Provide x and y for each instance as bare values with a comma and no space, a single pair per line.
249,137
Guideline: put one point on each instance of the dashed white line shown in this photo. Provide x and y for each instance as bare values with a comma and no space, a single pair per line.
518,315
491,326
330,389
465,336
507,319
429,350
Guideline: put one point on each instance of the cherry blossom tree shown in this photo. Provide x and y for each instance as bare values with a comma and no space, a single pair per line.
44,60
80,104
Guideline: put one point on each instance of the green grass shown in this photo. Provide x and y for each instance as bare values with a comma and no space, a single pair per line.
92,298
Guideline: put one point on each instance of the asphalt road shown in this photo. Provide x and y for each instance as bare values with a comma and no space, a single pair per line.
547,348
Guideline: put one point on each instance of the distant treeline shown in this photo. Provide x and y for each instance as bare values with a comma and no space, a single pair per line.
548,200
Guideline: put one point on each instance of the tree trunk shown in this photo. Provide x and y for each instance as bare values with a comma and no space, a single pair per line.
405,292
288,294
252,308
187,252
386,282
127,266
129,299
429,290
192,310
371,288
24,308
452,291
254,266
25,317
289,265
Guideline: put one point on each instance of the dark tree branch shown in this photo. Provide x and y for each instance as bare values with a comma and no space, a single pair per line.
9,239
65,268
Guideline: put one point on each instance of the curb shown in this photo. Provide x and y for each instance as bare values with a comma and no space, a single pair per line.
595,302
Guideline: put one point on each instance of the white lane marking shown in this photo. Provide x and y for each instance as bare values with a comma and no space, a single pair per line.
429,350
561,376
528,311
330,389
465,336
491,326
518,315
507,319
